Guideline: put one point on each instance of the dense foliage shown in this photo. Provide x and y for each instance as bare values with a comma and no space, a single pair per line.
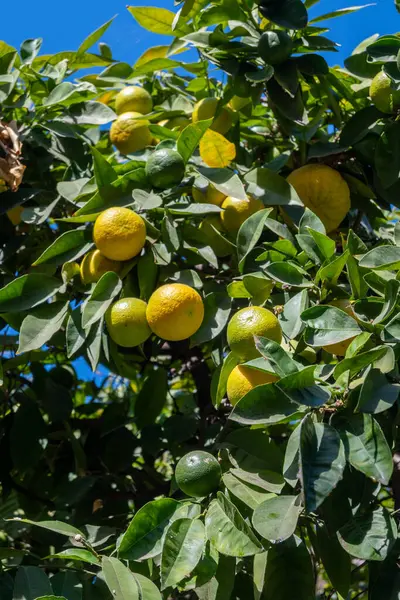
307,505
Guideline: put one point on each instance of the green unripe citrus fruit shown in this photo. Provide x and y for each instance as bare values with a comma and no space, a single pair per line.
385,98
275,47
130,133
198,474
247,323
165,168
133,99
127,323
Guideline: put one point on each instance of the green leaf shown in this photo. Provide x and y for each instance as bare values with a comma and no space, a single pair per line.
143,538
230,362
190,137
366,446
369,535
67,584
75,334
89,113
71,245
151,398
221,586
93,343
227,531
250,232
147,589
225,181
339,13
55,526
283,361
387,155
249,494
332,271
337,563
322,461
264,405
78,554
359,125
198,209
291,466
328,325
276,518
120,580
31,583
104,173
94,37
383,257
156,20
271,188
40,325
217,309
288,274
377,393
105,290
289,568
290,318
183,547
301,388
147,272
27,291
358,362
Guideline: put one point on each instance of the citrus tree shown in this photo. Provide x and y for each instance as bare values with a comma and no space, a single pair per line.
213,230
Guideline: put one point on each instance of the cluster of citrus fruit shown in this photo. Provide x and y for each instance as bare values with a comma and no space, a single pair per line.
174,312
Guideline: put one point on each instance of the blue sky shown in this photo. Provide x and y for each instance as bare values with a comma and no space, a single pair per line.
64,25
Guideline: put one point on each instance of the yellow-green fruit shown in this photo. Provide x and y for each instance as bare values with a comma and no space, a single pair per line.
119,233
220,246
175,312
94,265
165,168
247,323
15,214
3,186
177,123
207,194
244,379
338,349
198,474
130,133
207,108
133,99
236,211
127,323
385,98
324,191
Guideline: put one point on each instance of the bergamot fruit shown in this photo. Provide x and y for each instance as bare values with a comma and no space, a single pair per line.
130,133
198,474
248,322
127,323
119,233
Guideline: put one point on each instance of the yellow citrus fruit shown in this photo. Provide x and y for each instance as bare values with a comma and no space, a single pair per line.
129,134
385,98
206,109
338,349
243,379
236,211
344,304
94,265
207,194
198,473
126,322
3,186
177,123
324,191
133,99
220,247
175,312
248,322
119,233
14,214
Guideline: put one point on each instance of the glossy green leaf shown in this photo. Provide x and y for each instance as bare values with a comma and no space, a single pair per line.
322,461
369,535
182,549
143,538
120,580
31,583
249,494
383,257
227,531
40,325
217,309
264,405
27,291
328,325
366,446
151,398
94,37
377,393
336,561
77,554
55,526
105,290
250,232
225,181
290,318
276,518
288,274
190,137
271,188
